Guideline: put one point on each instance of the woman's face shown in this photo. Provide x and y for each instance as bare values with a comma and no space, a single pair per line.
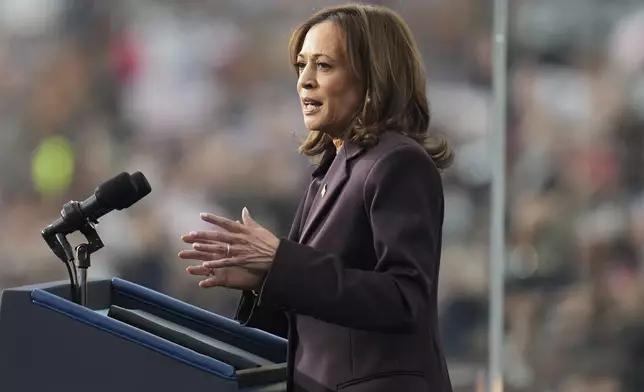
328,88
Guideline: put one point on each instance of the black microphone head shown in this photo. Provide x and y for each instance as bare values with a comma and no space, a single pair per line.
118,193
142,185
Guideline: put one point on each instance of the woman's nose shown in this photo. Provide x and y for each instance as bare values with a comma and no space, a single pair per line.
307,79
307,85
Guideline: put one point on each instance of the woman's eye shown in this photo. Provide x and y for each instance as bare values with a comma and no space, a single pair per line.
323,66
300,65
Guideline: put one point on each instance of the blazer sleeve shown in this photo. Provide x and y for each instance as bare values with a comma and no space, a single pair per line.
404,202
268,318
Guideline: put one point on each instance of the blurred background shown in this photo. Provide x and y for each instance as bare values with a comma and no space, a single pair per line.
199,96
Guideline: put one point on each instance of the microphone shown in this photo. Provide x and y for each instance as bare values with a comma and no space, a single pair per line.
118,193
142,185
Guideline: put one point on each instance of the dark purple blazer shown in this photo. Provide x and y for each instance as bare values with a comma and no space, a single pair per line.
354,286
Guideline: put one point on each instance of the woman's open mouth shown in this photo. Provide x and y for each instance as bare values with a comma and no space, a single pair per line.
310,106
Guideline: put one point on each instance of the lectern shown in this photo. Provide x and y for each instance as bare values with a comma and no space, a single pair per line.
129,338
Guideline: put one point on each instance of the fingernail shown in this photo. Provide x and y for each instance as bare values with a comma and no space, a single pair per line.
245,211
196,245
193,233
204,214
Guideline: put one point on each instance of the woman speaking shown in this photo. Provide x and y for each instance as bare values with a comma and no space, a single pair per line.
354,286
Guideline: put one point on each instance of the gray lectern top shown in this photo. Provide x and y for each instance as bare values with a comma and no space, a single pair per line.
129,338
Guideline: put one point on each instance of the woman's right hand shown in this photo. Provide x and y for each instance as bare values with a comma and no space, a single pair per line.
237,257
230,277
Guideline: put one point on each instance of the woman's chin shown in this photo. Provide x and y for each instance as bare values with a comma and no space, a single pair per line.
312,124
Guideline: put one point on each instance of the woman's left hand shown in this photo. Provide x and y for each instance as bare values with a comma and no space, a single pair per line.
237,257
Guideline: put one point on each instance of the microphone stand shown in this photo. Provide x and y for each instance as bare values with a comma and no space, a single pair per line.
64,250
59,244
83,260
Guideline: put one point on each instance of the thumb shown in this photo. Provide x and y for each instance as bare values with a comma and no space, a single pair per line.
248,221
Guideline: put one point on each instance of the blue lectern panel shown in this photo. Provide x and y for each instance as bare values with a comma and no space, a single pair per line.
109,325
129,338
133,296
186,310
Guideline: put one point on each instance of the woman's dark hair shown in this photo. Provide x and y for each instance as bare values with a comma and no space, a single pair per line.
385,58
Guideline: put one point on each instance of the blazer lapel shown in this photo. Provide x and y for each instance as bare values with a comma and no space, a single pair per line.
327,192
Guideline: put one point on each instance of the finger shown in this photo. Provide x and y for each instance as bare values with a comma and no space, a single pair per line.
219,249
198,270
205,236
197,255
210,236
191,240
223,263
246,218
224,223
200,255
213,282
219,278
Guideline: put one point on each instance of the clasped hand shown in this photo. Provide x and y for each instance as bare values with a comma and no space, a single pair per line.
237,257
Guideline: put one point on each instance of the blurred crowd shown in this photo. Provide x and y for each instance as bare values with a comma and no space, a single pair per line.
199,96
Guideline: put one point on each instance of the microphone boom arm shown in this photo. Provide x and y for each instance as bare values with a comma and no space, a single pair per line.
61,247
